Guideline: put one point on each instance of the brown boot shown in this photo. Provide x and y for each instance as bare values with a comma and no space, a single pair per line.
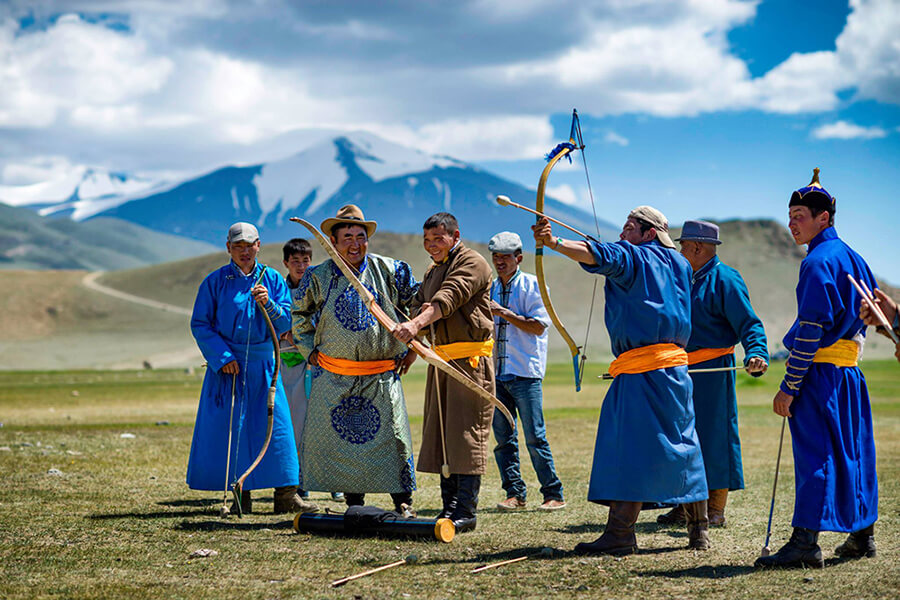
716,507
698,525
246,504
618,539
287,500
673,517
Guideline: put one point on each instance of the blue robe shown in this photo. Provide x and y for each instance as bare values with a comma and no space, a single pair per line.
647,448
721,316
223,312
831,427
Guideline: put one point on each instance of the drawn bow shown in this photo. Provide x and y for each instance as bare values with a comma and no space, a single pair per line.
562,150
429,355
238,486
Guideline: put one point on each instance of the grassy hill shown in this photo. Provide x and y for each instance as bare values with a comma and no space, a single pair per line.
29,241
50,321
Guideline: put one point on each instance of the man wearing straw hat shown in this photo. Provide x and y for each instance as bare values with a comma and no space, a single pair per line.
824,393
647,452
356,438
721,316
455,314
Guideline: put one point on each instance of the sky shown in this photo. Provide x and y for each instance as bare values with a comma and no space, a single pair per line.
703,108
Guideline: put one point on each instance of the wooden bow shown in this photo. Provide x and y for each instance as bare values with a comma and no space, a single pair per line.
558,153
238,486
427,354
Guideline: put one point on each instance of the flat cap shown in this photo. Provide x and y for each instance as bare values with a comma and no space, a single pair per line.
505,242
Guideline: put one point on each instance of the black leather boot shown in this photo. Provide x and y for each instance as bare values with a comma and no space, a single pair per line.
859,543
801,551
466,502
354,499
618,539
449,489
676,516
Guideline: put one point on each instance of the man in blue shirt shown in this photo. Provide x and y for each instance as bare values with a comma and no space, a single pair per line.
647,452
824,393
520,359
721,316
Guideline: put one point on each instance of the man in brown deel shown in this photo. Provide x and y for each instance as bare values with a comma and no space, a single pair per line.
455,314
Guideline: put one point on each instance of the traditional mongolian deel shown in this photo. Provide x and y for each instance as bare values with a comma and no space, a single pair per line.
647,448
357,436
831,427
460,288
227,327
721,316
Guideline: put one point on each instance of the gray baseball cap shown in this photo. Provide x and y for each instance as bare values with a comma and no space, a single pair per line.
505,242
700,231
242,232
658,220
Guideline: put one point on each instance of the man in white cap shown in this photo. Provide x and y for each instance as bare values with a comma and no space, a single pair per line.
237,345
647,452
721,316
357,438
520,360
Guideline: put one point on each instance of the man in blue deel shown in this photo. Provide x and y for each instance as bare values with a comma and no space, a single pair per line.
235,340
824,393
647,452
721,316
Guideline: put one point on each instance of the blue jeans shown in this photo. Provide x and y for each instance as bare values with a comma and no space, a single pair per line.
523,395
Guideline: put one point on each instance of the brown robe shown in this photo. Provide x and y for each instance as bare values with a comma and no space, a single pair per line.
460,288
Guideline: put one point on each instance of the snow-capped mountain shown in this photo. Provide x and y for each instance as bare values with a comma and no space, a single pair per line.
393,184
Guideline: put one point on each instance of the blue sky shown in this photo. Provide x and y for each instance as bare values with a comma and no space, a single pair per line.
704,108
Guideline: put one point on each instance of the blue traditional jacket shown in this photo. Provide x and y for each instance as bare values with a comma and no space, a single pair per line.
647,448
831,427
227,326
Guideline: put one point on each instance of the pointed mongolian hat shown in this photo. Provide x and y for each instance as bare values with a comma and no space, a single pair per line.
814,196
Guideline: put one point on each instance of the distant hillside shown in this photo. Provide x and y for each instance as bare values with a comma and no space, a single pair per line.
29,241
51,321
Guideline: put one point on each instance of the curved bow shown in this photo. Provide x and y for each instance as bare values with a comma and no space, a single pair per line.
238,486
427,354
562,150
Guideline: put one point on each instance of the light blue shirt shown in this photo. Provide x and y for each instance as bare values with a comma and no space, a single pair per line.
517,352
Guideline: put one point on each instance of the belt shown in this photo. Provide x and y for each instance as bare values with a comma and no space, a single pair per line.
345,366
648,358
842,353
705,354
471,350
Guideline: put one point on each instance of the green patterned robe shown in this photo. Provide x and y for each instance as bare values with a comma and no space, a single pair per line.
356,438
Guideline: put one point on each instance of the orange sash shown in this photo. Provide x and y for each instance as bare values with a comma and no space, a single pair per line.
705,354
648,358
470,350
345,366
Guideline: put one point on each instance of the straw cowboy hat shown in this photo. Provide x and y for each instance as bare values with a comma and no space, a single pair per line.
349,214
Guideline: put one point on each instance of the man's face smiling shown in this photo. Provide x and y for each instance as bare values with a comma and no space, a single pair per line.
438,242
506,265
352,243
297,265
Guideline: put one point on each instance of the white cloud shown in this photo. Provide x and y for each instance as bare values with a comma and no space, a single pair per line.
612,137
843,130
564,193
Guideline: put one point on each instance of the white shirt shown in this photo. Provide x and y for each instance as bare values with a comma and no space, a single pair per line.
518,352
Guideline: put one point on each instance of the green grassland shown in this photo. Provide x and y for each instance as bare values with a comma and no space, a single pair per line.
119,521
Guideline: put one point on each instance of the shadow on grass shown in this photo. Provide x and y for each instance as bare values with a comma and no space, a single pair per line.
231,525
162,514
177,503
702,572
532,552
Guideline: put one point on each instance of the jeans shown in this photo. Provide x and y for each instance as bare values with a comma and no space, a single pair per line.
523,395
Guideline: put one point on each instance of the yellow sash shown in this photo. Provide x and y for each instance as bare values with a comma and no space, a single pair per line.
705,354
470,350
648,358
345,366
842,353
